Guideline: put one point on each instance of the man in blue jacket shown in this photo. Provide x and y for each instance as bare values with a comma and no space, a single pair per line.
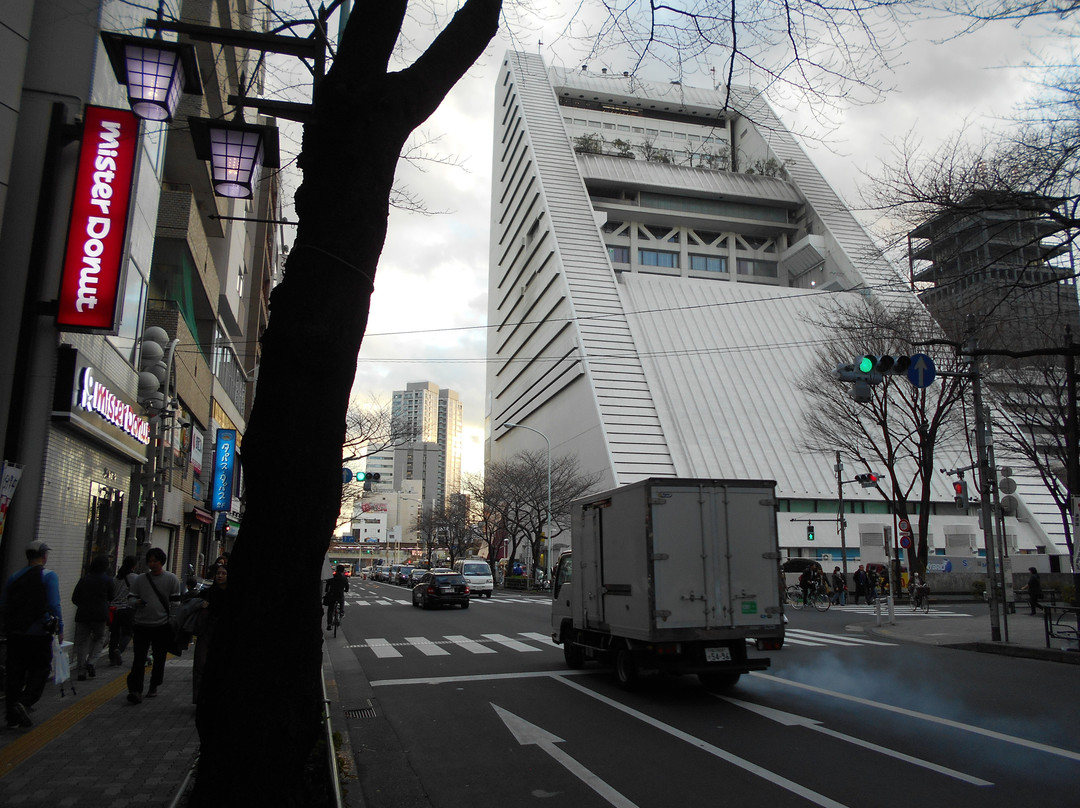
30,605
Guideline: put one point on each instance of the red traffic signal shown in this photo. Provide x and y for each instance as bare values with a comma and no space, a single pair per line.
867,480
960,490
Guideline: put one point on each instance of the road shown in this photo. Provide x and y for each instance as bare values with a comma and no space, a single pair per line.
475,708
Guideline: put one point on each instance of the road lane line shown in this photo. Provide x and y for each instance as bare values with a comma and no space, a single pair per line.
469,645
946,722
838,639
752,768
426,646
795,720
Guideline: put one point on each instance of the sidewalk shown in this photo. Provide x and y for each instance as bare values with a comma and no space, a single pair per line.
92,749
1026,633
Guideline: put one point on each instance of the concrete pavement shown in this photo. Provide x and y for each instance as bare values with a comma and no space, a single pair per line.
93,749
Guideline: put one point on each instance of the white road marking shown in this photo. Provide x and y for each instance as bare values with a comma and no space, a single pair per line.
513,645
426,646
528,734
735,760
795,720
470,645
544,639
837,639
382,648
947,722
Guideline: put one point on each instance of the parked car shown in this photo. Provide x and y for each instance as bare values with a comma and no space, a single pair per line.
441,589
403,574
478,574
382,574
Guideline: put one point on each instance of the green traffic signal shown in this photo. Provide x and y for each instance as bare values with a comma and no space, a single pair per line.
809,532
866,364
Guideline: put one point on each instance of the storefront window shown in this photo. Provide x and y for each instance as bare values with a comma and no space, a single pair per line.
103,522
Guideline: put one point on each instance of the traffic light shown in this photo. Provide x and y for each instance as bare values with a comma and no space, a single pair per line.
809,532
961,491
867,480
368,476
885,365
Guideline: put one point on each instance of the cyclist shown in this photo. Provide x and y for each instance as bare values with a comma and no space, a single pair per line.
334,590
812,580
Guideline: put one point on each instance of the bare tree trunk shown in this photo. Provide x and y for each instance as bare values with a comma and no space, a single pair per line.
260,705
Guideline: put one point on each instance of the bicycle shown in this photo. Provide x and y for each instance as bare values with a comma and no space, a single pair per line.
336,613
815,596
920,598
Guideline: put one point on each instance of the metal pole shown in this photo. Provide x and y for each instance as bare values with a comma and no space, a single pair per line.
843,521
999,522
984,477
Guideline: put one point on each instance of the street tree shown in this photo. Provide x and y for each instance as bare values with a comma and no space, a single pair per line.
362,115
486,499
897,432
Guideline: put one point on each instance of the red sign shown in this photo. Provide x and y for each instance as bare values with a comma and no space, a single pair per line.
97,233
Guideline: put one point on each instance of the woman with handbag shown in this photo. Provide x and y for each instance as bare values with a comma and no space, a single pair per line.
154,594
120,627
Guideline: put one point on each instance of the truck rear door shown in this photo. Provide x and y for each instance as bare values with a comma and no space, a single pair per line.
749,542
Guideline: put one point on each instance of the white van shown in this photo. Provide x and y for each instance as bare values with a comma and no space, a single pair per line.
478,574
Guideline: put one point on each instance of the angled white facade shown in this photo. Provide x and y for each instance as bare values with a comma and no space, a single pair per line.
651,315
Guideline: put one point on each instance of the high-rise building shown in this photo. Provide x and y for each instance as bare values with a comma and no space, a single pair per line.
660,256
433,420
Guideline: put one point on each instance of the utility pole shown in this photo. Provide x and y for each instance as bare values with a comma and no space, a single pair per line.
984,501
840,516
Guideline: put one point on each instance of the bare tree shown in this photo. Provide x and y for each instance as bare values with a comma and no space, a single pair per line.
897,432
362,115
486,499
370,428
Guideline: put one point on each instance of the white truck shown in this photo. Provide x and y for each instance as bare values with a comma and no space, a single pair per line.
670,575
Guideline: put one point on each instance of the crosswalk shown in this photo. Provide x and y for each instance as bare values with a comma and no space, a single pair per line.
523,643
406,600
531,642
901,610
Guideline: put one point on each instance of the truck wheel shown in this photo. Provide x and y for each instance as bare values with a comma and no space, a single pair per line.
626,670
573,655
718,682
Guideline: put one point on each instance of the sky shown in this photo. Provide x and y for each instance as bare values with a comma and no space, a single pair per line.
429,309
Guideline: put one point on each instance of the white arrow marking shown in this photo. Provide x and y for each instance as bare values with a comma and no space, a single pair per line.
793,720
525,734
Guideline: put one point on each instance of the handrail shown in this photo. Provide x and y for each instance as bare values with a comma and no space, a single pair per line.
1057,630
335,784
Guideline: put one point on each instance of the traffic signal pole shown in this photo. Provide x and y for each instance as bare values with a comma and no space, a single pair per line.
840,516
983,464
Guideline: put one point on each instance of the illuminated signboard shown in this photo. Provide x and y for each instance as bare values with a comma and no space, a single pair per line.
224,462
97,232
88,399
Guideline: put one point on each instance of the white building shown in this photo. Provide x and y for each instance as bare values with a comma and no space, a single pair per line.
650,315
434,416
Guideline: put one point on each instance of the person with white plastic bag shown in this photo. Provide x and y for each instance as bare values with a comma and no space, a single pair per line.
30,607
61,666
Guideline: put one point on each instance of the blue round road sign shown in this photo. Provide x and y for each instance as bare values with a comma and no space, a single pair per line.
922,372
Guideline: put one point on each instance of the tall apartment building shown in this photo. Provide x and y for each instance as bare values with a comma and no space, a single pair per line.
434,418
659,256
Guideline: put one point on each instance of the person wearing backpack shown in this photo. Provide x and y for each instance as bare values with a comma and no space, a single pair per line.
30,607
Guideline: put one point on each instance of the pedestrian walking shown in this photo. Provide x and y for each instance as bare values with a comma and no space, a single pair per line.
213,604
30,607
871,585
860,584
154,595
123,615
92,596
1034,589
839,587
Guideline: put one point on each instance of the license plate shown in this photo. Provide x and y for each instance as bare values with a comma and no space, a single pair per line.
446,590
718,654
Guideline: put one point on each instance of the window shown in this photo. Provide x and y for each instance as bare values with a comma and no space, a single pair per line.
619,255
102,523
762,269
708,263
656,258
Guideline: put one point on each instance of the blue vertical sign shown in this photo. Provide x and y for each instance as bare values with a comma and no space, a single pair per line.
224,460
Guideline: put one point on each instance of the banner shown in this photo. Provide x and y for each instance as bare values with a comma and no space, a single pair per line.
8,483
97,230
224,462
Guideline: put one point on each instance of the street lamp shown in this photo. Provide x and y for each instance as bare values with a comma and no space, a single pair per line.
236,151
547,531
155,72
